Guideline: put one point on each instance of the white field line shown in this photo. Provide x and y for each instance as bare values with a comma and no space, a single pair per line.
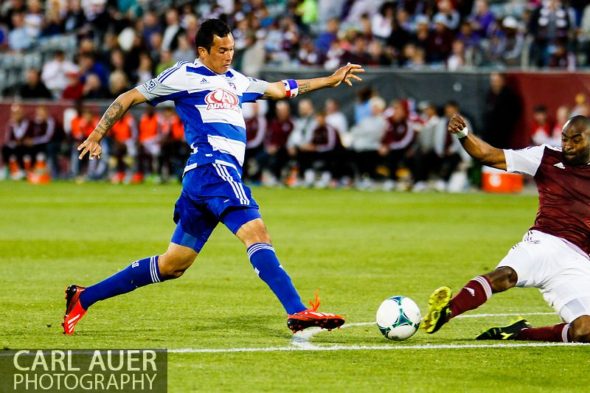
301,341
391,347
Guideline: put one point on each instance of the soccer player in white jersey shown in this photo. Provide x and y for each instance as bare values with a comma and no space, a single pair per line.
553,254
208,95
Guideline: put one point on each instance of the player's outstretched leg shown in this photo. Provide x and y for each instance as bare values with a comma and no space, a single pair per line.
78,299
267,266
441,308
576,331
509,332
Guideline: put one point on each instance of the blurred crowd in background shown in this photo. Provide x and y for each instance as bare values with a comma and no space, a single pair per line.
397,145
84,50
97,48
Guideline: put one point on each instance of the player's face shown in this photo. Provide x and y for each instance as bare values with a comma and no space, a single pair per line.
575,143
219,58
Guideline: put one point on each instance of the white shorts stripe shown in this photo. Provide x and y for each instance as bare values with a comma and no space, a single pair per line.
237,187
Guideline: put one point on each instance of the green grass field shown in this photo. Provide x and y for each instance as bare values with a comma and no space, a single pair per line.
357,248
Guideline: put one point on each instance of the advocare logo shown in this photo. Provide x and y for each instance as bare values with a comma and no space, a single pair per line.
222,99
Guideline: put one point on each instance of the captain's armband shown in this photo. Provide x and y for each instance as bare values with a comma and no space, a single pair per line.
291,88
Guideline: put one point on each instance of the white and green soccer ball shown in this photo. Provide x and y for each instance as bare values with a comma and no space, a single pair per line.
398,318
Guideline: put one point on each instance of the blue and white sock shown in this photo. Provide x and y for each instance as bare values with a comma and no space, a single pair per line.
267,266
138,274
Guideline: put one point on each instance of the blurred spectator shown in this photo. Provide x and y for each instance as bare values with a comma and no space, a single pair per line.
337,119
256,125
254,56
123,147
541,129
396,141
514,42
90,66
327,36
55,72
16,150
302,131
18,37
81,126
93,88
321,153
184,50
174,151
361,105
562,58
451,155
42,130
34,86
483,19
448,14
502,112
581,105
382,21
457,59
366,139
561,117
33,19
75,88
144,72
118,84
550,24
172,31
425,161
150,135
439,41
275,156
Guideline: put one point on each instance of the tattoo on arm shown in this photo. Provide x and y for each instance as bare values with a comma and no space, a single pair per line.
110,117
304,87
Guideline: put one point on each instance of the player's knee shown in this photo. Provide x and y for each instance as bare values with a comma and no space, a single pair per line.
580,329
502,278
174,266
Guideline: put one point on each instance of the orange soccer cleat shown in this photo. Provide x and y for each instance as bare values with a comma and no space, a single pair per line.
311,317
74,309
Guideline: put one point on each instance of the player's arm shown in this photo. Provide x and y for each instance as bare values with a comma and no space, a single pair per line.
477,148
289,88
114,112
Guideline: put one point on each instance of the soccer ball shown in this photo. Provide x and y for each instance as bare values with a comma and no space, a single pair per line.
398,318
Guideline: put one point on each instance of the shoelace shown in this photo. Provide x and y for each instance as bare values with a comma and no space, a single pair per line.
315,303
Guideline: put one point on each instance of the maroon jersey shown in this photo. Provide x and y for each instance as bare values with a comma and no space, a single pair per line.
255,130
16,133
399,135
564,193
278,133
325,138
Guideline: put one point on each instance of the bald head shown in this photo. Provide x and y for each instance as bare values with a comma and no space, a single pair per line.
575,141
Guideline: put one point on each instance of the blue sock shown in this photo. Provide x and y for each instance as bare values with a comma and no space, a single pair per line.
138,274
267,266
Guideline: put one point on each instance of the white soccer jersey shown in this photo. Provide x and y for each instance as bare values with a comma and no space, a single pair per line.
210,106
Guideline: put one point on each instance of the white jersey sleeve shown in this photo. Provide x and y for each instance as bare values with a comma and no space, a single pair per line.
169,85
525,161
255,90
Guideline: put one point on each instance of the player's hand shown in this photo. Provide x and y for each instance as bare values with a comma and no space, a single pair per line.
90,146
346,74
456,124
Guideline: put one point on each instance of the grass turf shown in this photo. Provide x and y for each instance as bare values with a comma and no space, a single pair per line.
358,248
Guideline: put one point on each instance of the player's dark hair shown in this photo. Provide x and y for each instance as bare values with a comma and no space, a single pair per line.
209,29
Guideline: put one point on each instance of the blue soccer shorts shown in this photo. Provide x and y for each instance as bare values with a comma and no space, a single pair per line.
211,194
